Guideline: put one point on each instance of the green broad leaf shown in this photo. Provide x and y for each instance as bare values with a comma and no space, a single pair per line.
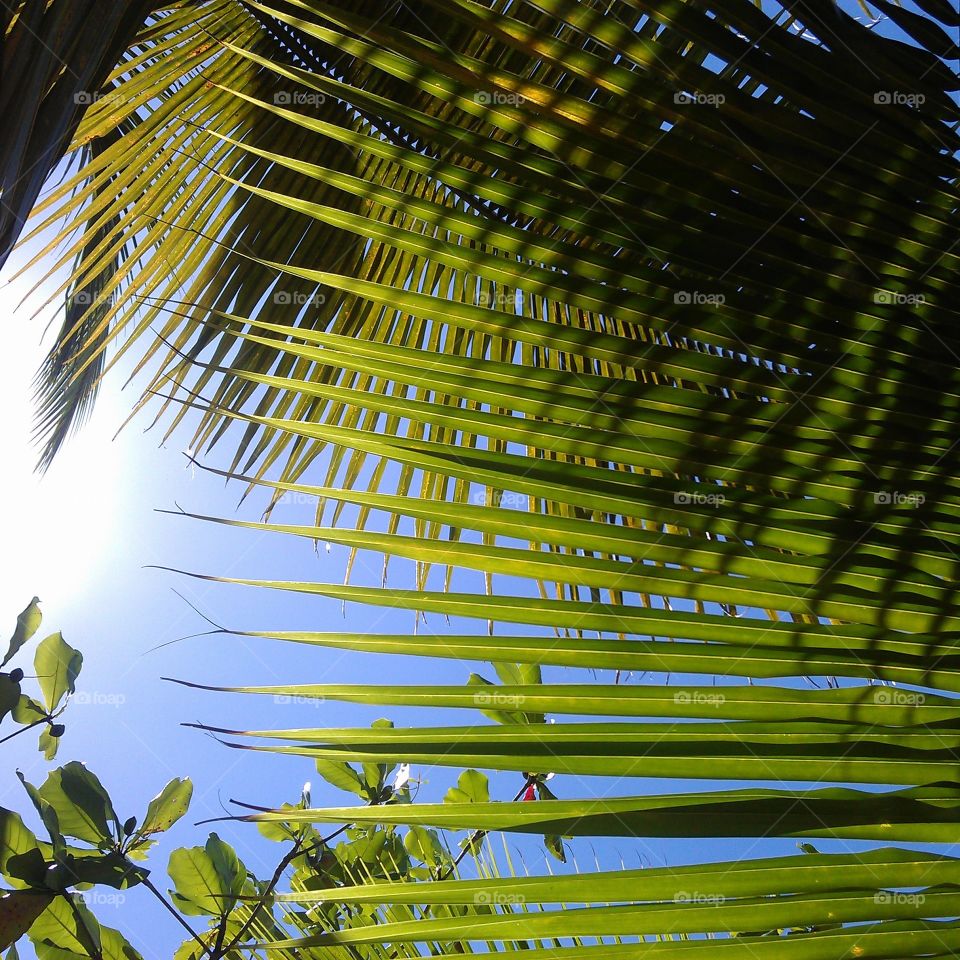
83,806
58,876
554,846
28,622
424,845
472,844
375,775
139,850
48,744
16,839
67,928
18,911
518,674
28,869
48,815
167,807
229,869
205,878
499,705
57,665
472,787
340,775
28,711
9,694
368,848
115,946
280,832
190,949
373,778
110,869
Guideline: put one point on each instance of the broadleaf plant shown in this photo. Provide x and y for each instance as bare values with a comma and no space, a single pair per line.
56,666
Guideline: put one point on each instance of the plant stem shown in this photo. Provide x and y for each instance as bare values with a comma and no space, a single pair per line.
83,931
475,836
221,933
292,855
29,726
288,858
183,923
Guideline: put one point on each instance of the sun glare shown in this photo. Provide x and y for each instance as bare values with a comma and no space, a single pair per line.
57,527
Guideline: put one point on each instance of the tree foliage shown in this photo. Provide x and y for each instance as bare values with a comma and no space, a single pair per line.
645,313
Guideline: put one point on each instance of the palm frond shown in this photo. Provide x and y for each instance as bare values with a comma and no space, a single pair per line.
647,316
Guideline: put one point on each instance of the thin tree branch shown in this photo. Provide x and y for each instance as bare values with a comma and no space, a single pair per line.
83,931
183,923
478,835
29,726
290,856
221,934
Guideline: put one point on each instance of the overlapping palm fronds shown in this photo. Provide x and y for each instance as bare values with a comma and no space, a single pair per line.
651,309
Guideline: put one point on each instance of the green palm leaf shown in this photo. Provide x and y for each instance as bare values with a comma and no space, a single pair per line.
646,314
